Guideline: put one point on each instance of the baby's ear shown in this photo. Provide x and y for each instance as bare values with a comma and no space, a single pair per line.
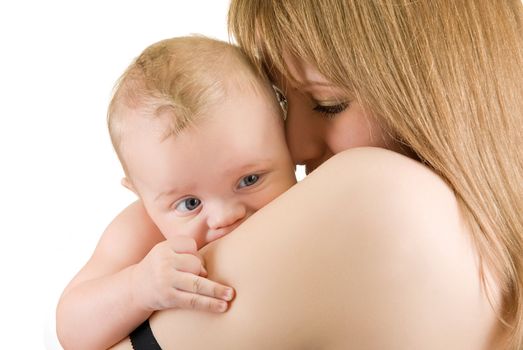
128,184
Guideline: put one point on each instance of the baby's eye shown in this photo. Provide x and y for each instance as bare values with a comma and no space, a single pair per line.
188,204
282,100
249,180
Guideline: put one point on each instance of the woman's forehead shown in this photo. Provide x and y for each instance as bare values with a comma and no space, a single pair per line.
299,73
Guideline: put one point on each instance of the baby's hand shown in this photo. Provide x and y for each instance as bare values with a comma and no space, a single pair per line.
172,275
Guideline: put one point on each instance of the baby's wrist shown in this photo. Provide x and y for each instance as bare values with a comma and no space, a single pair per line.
135,290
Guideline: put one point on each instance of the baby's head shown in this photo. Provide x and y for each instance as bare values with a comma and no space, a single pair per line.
200,136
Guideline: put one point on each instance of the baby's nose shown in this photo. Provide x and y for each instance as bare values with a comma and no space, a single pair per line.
225,215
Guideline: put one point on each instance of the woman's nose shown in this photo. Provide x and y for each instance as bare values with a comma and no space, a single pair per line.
303,134
225,214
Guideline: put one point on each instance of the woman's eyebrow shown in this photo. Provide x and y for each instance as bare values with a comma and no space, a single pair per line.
281,80
308,84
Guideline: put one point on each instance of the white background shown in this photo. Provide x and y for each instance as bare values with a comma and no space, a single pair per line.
59,177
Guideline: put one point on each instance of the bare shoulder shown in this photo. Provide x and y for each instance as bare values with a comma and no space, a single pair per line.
400,190
393,197
368,252
419,261
381,167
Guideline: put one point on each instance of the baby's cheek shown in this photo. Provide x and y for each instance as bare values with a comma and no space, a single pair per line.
181,227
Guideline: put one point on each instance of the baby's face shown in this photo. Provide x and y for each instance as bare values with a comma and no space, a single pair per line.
207,180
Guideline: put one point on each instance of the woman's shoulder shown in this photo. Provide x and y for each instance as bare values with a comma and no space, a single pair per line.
397,198
385,166
391,182
360,254
407,228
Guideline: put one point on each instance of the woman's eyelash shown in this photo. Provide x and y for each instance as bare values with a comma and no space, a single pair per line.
331,111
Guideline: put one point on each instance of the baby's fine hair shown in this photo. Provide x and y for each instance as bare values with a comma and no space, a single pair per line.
180,78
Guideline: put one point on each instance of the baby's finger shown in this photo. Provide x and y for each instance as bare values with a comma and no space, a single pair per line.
186,300
182,244
198,285
203,271
188,263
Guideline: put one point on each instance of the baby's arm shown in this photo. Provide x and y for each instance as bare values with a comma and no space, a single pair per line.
129,275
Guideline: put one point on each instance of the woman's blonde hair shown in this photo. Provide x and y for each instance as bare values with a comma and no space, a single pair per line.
180,78
444,77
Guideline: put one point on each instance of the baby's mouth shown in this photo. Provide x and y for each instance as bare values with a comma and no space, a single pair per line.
216,234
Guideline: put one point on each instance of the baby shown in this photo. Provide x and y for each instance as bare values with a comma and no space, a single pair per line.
200,136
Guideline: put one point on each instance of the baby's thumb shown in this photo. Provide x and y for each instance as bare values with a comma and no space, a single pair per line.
203,271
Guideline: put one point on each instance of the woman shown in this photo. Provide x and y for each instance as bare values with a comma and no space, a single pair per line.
415,243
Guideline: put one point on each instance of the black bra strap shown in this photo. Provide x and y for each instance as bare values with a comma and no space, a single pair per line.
142,338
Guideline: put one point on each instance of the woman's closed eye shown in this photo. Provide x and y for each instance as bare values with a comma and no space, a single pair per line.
331,110
188,204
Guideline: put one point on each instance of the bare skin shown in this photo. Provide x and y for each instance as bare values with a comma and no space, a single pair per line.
135,269
378,258
368,252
